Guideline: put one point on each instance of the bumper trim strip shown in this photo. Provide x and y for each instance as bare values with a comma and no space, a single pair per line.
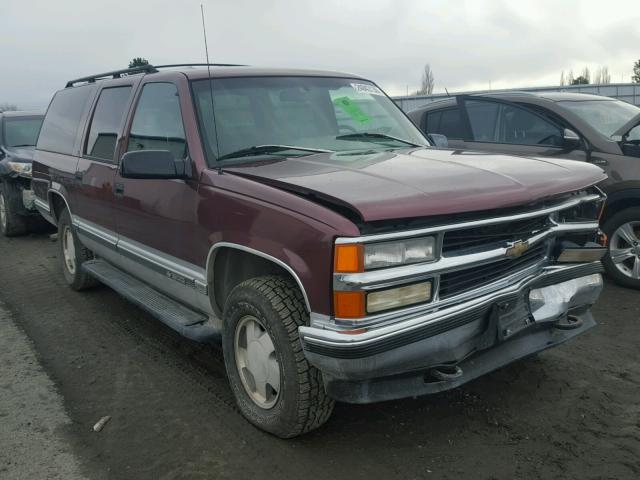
351,348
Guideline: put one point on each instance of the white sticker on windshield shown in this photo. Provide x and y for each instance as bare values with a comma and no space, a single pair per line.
366,88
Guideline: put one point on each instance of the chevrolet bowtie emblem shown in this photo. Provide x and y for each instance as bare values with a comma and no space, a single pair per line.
516,249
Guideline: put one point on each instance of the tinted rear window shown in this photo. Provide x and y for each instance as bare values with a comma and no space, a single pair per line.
60,126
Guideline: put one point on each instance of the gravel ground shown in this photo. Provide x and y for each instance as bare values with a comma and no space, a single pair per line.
31,413
572,412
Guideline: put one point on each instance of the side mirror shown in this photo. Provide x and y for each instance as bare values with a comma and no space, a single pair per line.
438,140
153,164
570,139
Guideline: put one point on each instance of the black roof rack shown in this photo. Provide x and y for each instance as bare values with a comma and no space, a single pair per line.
143,69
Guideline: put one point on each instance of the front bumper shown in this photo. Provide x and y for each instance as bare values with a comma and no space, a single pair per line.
440,350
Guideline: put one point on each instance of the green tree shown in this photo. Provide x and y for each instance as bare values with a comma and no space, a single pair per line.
636,72
138,62
581,80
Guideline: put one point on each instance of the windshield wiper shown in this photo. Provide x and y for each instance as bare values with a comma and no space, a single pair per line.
267,149
373,137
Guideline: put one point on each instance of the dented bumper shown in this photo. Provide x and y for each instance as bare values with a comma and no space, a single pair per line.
439,350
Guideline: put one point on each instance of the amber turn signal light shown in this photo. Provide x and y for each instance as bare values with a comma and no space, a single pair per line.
349,304
348,258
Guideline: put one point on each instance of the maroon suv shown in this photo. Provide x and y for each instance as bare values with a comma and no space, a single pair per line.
302,219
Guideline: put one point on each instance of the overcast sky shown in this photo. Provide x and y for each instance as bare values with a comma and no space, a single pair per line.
469,44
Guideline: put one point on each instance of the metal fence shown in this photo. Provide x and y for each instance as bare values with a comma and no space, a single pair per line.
628,92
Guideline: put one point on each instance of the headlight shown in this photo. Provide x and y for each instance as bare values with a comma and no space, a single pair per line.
391,254
584,212
20,168
398,297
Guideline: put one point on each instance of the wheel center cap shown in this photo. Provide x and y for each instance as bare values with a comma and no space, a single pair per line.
256,356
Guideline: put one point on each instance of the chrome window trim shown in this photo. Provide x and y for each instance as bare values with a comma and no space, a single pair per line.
217,246
474,223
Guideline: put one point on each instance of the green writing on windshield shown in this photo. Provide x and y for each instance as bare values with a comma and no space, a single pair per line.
352,109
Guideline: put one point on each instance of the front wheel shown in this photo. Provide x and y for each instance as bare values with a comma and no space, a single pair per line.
275,387
623,260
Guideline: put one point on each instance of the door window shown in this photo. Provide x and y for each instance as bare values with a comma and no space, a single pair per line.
522,127
157,123
106,123
445,122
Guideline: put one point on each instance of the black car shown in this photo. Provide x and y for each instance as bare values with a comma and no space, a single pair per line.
18,135
589,128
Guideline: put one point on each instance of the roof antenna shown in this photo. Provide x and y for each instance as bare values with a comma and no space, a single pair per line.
206,51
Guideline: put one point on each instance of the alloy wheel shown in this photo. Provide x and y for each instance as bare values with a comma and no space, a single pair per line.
257,362
624,249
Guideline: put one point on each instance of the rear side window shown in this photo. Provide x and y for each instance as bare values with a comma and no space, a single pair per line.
157,123
60,126
106,122
445,122
483,117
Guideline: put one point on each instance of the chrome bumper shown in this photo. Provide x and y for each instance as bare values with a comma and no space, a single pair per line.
450,335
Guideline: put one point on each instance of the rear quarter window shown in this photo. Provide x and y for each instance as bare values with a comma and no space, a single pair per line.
60,127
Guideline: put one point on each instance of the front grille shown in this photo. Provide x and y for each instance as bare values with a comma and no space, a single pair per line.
461,281
488,237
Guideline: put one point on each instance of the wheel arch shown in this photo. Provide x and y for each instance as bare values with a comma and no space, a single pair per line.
57,203
229,264
621,200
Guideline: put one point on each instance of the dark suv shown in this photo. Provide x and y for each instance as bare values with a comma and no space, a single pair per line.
18,135
302,219
589,128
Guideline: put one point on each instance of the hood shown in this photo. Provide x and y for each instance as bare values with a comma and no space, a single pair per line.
422,182
20,154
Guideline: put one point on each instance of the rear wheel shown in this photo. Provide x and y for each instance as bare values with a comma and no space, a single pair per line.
275,387
11,222
73,255
623,260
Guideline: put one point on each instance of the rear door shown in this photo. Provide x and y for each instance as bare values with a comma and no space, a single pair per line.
94,210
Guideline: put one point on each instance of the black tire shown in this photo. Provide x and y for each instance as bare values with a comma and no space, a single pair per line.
609,227
302,404
12,223
76,278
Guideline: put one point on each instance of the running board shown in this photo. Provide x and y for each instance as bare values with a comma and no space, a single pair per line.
188,323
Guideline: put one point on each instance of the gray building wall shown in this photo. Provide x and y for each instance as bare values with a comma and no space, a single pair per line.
628,92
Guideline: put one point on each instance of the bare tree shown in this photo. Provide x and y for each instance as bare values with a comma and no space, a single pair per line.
428,81
602,76
570,78
8,107
586,74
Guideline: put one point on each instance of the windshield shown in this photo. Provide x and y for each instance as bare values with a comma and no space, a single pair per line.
309,112
606,116
21,132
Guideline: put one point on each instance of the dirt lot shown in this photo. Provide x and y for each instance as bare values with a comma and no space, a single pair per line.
572,412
